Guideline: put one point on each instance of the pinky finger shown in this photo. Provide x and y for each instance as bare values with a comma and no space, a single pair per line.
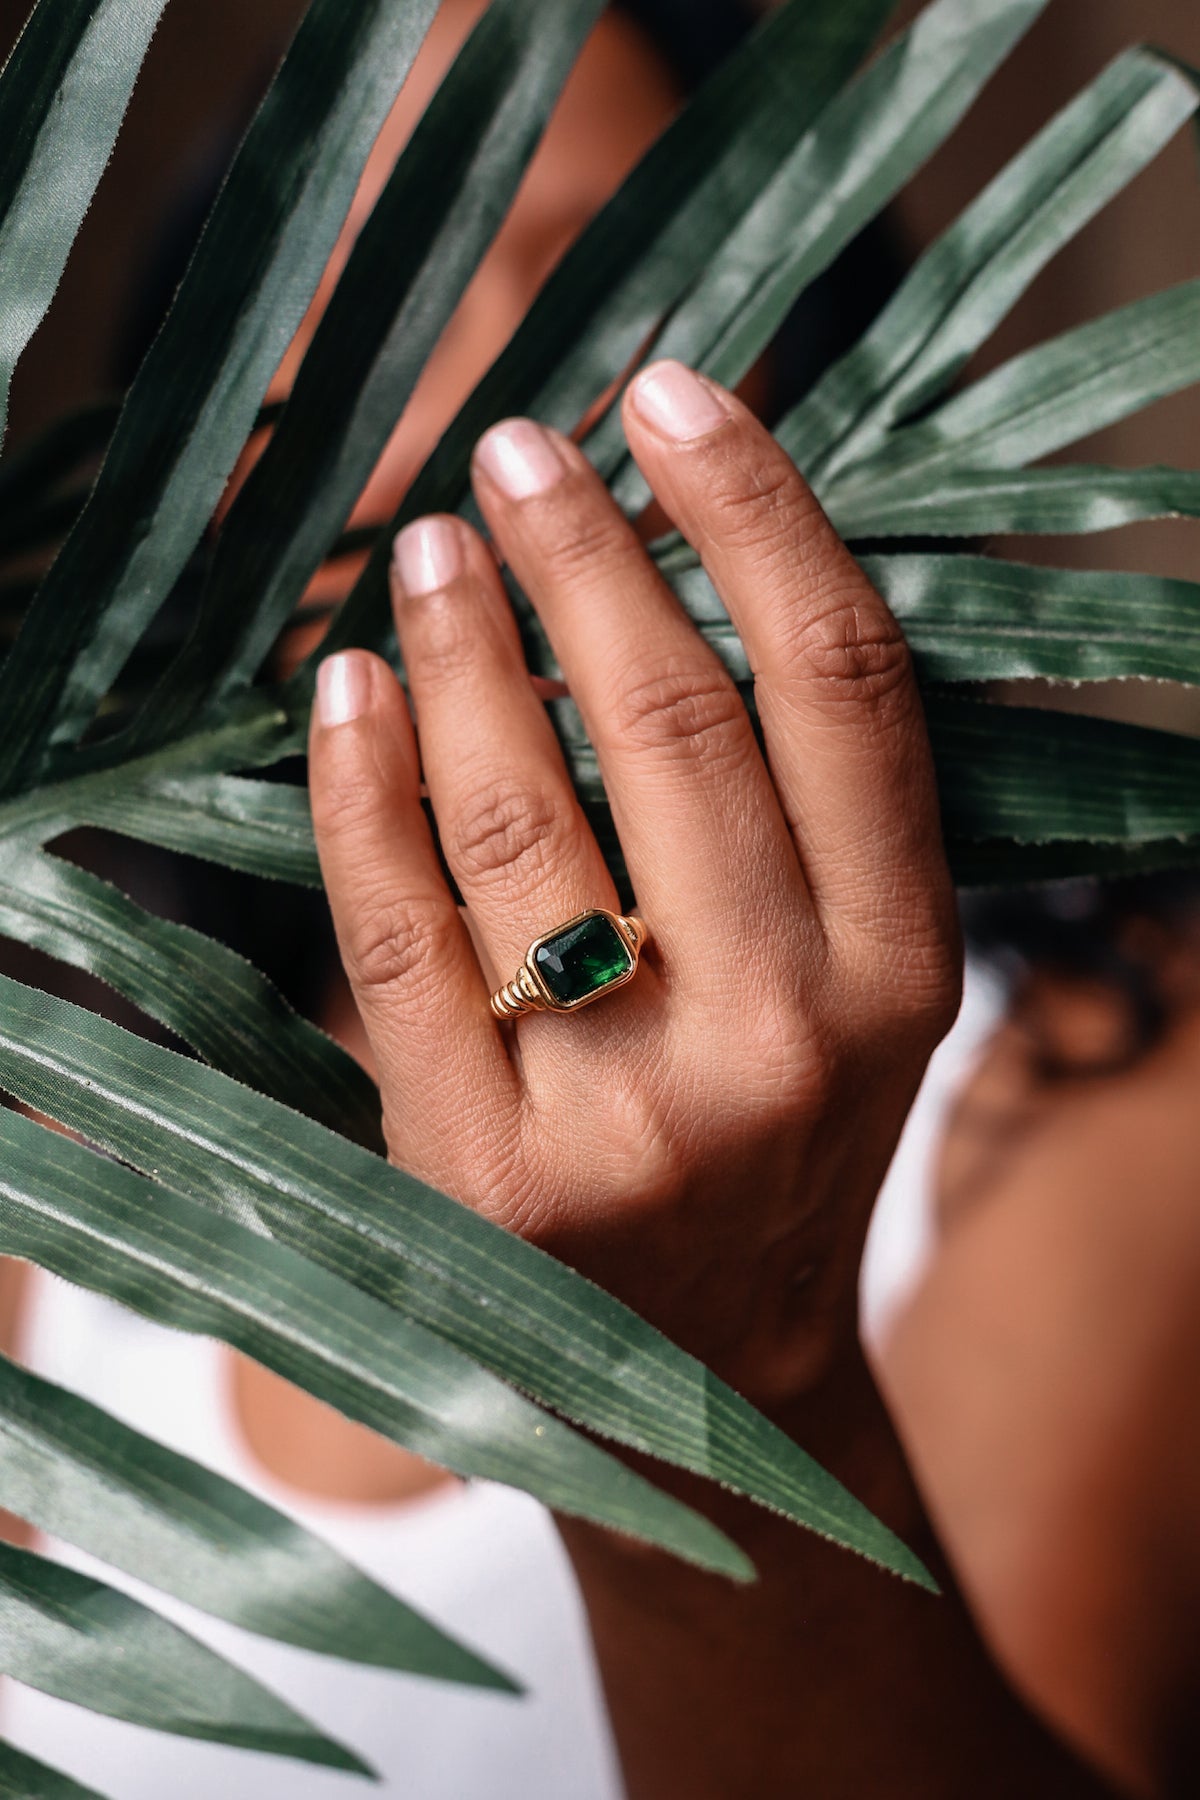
412,970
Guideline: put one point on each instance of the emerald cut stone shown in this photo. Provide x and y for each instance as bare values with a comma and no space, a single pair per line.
582,959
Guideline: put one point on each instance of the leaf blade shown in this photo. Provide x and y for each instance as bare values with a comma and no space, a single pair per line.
1069,498
1046,398
637,256
208,995
96,1223
438,213
23,1778
968,281
970,618
69,1635
191,409
499,1300
63,95
869,140
76,1472
262,828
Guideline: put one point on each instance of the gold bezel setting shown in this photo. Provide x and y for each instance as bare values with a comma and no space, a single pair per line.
530,992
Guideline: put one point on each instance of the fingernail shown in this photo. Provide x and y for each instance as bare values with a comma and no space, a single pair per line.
428,555
677,403
520,458
343,687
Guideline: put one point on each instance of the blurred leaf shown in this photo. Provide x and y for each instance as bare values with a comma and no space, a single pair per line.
69,1635
41,464
193,403
970,279
39,526
500,1300
75,1472
86,1218
21,1778
208,995
63,94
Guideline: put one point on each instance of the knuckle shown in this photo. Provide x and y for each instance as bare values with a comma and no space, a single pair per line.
912,988
850,648
685,708
934,986
505,832
399,943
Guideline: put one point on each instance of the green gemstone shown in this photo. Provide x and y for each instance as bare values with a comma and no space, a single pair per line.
582,960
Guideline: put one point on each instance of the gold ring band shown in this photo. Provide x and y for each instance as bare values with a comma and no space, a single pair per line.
574,964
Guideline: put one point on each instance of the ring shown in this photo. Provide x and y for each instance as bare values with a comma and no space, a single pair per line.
574,964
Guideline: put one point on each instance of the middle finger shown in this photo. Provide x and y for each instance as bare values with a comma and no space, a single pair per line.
705,841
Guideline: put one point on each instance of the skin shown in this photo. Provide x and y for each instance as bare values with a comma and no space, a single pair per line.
1057,1444
708,1140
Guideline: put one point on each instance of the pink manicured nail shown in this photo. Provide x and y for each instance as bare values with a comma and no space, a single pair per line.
428,555
677,403
344,685
520,458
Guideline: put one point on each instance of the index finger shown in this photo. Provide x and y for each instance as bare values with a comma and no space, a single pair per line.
841,716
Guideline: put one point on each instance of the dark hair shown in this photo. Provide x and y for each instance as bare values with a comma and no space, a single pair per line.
1093,932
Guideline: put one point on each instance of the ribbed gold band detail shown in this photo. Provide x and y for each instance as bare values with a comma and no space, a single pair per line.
520,996
525,993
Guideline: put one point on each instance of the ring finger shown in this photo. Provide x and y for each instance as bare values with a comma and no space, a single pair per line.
511,828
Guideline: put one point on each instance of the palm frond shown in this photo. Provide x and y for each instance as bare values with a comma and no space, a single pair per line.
200,1194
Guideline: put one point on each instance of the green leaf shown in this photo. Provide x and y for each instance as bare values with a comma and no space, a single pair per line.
1024,774
194,401
643,251
21,1778
88,1219
63,94
500,1300
976,618
37,527
1038,777
858,155
1004,864
437,216
261,827
981,502
1039,402
75,1472
208,995
69,1635
973,618
970,279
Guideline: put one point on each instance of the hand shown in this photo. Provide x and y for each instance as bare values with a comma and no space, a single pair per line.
707,1141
